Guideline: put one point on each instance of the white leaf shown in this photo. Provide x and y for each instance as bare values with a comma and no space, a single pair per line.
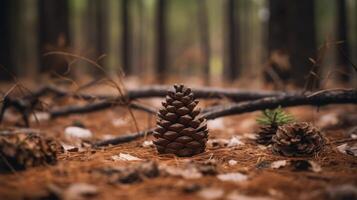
78,191
73,131
278,164
67,147
147,144
348,149
237,196
232,162
315,167
234,141
211,193
216,124
107,137
342,148
125,157
40,116
234,177
119,122
187,173
217,142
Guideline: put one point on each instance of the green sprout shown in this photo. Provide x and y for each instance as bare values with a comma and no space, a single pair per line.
275,117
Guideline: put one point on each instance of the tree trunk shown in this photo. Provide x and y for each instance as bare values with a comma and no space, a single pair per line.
126,37
161,40
291,40
5,39
53,33
302,42
232,42
343,52
96,24
204,37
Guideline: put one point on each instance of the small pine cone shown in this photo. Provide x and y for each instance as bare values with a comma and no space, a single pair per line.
266,134
179,128
297,139
23,150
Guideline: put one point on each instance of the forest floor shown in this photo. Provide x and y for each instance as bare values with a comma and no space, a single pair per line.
243,170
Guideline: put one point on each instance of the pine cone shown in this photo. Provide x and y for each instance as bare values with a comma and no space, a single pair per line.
297,139
266,134
22,150
179,129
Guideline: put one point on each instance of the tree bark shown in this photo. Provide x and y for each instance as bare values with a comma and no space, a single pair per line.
5,39
97,31
126,37
343,52
161,40
205,38
232,42
53,33
291,40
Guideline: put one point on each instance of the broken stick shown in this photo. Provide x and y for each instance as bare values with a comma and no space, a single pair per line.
348,96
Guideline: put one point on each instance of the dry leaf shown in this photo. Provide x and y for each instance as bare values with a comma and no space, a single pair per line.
77,132
278,164
348,149
234,177
125,157
232,162
211,193
237,196
79,191
216,124
234,141
187,173
148,144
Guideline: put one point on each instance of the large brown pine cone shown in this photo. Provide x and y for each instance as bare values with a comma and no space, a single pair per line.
22,150
266,134
298,139
179,129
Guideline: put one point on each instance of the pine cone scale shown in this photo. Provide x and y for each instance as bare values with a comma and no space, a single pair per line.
297,139
179,130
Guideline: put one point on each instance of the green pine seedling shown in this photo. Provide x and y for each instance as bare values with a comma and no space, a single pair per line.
274,117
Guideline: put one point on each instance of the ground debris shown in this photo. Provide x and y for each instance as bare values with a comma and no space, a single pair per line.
234,177
236,196
211,193
78,132
131,174
125,157
349,149
341,192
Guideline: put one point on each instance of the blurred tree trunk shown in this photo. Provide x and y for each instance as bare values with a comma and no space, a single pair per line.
161,40
291,40
126,37
232,42
97,32
5,39
343,52
302,42
205,37
53,33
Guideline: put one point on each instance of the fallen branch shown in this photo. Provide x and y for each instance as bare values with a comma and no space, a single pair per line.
148,92
329,97
124,138
320,99
236,95
64,111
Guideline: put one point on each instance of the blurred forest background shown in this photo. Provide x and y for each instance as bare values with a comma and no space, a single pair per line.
248,42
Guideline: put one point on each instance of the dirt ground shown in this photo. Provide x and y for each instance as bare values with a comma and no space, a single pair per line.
263,181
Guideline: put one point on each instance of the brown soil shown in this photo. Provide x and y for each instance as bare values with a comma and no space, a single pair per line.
283,183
